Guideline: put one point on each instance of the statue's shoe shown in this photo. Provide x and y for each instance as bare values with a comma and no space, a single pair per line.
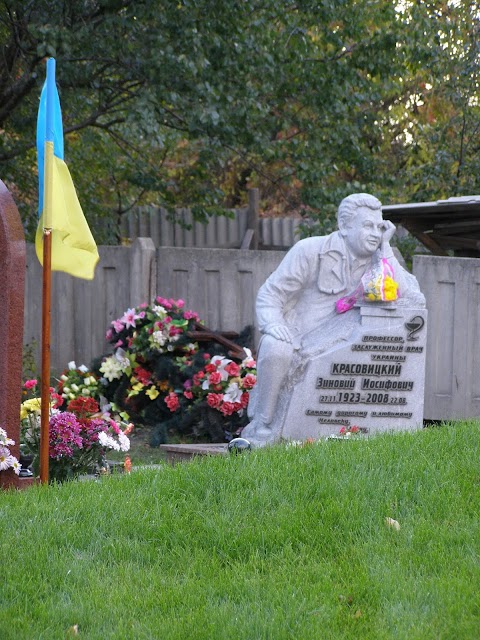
258,434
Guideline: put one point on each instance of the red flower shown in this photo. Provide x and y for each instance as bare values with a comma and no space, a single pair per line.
249,381
343,431
233,369
172,401
83,406
214,400
142,375
210,368
354,429
188,395
215,377
228,408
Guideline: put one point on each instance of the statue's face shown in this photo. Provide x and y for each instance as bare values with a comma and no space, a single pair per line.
363,234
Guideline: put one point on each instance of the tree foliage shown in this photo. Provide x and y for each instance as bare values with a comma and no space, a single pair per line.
190,102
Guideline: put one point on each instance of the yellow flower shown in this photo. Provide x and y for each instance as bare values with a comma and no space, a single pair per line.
164,385
153,393
30,406
390,288
136,388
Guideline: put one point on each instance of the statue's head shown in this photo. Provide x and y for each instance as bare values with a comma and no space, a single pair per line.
360,222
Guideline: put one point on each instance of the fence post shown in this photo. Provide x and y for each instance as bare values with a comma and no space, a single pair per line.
251,235
143,271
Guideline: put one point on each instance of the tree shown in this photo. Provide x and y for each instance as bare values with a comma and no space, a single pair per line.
189,102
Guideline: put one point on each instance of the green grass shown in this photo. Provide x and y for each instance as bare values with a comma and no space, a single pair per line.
278,543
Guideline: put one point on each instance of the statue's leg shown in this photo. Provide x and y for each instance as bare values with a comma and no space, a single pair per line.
273,363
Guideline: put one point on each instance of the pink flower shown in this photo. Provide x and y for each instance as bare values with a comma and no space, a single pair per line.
215,377
228,408
210,368
29,384
172,401
249,381
188,395
118,326
214,400
180,303
343,431
129,318
354,429
197,377
191,315
233,369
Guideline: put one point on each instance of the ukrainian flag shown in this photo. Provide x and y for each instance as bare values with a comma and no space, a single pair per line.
73,247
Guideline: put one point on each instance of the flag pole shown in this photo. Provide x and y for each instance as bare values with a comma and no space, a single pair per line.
47,274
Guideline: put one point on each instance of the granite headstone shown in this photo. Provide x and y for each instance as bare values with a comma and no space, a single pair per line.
336,351
12,292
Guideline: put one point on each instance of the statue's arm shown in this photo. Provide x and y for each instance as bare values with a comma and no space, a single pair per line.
408,289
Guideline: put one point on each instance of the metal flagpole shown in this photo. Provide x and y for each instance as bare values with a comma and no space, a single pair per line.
47,273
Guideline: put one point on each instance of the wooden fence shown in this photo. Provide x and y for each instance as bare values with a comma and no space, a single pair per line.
220,284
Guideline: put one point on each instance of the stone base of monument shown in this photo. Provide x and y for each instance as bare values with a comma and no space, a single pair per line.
185,452
372,378
9,480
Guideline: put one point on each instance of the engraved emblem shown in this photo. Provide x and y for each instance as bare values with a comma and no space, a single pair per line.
414,326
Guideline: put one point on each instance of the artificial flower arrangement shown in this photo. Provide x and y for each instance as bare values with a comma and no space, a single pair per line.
347,433
224,384
80,434
7,460
157,376
377,285
78,381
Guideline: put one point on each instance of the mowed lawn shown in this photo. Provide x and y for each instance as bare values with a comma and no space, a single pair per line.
278,543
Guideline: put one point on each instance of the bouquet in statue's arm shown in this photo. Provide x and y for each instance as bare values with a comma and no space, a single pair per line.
377,285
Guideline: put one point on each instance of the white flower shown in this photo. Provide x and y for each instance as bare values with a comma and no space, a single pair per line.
71,365
160,311
75,388
107,441
6,460
221,363
85,392
124,442
249,360
83,368
233,393
158,338
16,465
111,368
122,358
63,377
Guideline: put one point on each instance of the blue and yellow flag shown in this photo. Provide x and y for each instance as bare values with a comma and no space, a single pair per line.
73,247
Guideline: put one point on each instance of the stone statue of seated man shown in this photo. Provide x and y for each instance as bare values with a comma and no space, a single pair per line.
296,305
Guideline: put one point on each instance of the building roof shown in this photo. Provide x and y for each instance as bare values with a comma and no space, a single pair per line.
442,226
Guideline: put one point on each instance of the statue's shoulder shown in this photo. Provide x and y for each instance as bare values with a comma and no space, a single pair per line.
315,244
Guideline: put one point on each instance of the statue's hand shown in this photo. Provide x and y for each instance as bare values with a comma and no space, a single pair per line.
389,230
280,332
